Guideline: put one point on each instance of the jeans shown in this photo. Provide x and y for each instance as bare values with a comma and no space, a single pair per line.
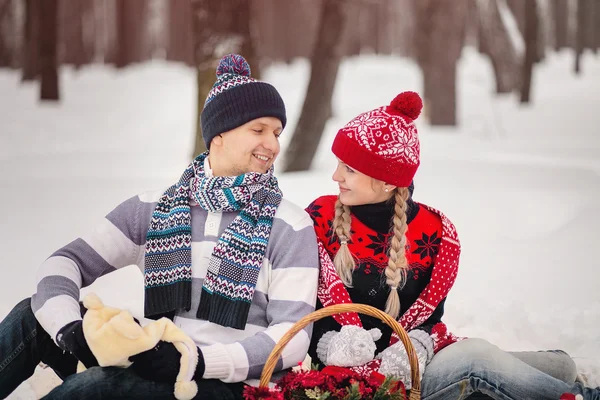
24,343
121,383
473,365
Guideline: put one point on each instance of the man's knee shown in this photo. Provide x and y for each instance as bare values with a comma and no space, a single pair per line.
21,312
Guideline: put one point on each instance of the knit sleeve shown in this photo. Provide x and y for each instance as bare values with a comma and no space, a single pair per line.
291,295
435,318
115,242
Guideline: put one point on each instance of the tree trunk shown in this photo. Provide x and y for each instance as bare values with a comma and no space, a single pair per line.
8,35
518,9
596,26
48,43
325,63
242,21
580,38
131,26
30,44
440,24
561,23
593,20
219,27
180,46
205,78
481,34
531,45
75,22
440,93
499,46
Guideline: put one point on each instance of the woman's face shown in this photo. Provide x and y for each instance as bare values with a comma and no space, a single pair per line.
357,188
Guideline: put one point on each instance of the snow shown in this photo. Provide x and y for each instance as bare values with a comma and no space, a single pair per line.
520,183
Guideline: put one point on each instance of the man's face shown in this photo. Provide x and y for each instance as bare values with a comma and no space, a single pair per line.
251,147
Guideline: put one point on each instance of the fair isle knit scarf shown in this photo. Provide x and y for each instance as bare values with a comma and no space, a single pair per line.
237,257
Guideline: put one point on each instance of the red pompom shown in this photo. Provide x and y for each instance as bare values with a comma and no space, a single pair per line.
407,103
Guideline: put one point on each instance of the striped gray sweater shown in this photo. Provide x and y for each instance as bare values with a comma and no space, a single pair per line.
285,292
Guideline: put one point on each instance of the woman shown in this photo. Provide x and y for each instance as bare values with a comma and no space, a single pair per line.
379,247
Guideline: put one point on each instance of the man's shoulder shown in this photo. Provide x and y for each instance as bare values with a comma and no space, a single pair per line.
291,214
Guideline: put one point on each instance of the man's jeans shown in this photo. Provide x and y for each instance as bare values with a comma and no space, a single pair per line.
121,383
24,343
475,365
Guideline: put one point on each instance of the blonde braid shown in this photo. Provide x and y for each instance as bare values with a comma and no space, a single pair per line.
395,272
343,260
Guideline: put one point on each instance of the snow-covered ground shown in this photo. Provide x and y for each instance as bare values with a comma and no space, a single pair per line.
520,183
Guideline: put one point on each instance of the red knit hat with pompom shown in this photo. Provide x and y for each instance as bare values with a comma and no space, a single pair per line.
383,143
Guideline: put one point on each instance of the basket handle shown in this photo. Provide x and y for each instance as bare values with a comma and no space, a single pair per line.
415,392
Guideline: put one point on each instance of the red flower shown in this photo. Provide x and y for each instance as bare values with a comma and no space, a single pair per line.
334,381
256,393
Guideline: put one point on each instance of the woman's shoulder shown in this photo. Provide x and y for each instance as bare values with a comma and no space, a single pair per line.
428,216
432,219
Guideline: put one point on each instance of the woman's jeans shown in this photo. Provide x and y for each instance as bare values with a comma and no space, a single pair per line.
475,365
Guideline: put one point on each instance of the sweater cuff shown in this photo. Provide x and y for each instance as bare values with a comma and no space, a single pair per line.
217,362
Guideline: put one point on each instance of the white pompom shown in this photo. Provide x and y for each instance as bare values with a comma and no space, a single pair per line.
185,390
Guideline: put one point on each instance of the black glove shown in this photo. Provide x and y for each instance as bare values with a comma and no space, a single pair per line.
70,338
162,363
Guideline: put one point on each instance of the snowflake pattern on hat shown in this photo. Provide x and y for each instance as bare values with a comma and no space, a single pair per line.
387,135
383,143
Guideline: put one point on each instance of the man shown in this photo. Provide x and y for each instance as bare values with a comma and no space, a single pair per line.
223,255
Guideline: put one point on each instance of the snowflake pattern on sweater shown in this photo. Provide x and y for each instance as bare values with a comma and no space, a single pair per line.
432,250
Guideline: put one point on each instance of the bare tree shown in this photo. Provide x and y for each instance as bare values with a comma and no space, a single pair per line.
48,43
30,53
560,10
10,35
219,27
596,25
441,26
132,19
517,7
502,42
180,44
531,41
325,63
76,30
581,30
592,23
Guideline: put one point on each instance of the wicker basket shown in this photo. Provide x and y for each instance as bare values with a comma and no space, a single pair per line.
415,393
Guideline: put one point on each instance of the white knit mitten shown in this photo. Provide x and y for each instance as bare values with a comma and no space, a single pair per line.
394,359
350,347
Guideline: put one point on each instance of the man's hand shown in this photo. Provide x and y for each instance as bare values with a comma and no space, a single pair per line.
70,338
162,363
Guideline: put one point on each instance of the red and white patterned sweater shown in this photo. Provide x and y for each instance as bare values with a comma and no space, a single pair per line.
433,251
